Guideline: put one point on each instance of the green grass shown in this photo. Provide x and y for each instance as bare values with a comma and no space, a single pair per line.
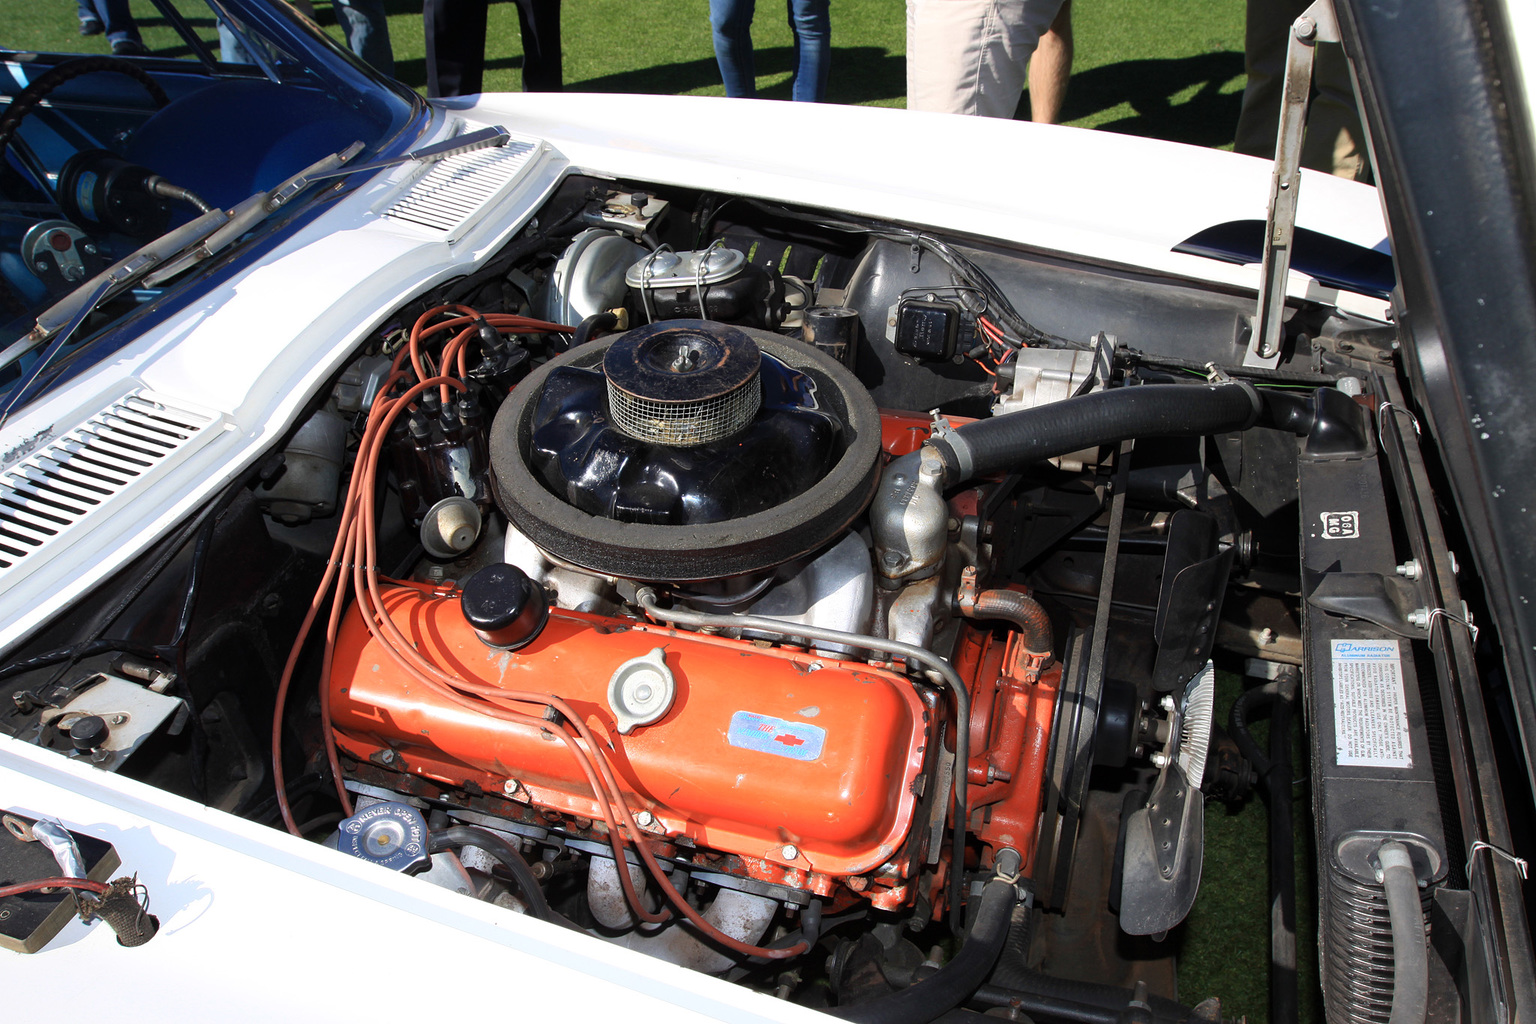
1143,67
1225,946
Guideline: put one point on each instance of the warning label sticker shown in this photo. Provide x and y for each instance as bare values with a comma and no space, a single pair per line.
1370,713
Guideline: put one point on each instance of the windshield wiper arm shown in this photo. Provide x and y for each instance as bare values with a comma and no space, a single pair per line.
127,271
24,386
178,249
252,211
485,138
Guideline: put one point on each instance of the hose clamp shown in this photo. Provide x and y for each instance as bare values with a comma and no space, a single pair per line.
941,430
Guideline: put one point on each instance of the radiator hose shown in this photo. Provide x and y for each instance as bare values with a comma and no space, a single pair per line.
1410,954
1021,611
1087,421
953,983
908,515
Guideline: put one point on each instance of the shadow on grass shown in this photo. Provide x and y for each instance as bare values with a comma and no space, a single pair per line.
860,74
865,74
1208,118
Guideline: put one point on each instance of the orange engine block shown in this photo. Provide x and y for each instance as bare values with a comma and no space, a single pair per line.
804,770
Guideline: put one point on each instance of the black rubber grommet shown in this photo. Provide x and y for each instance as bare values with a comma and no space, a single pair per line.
88,733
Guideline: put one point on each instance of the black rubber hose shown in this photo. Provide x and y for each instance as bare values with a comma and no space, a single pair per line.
1104,417
1041,1010
1021,610
1237,723
509,858
953,983
603,321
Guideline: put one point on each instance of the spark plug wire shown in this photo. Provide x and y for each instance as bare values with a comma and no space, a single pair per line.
355,549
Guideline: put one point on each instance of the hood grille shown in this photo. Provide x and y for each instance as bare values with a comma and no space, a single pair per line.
457,187
79,477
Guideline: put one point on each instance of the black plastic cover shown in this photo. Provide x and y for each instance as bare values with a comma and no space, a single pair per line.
698,551
927,328
585,459
504,606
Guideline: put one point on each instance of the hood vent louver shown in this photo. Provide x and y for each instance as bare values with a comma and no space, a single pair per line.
78,478
457,187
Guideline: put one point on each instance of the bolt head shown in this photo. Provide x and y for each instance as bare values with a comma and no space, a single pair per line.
791,852
510,787
645,819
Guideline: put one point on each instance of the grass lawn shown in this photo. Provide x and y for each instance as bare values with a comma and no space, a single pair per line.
1143,67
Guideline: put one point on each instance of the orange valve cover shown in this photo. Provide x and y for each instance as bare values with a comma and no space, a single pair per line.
764,752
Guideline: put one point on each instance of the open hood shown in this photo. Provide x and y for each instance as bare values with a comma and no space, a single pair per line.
1448,109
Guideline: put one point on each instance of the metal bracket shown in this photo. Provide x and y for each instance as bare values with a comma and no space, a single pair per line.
1316,25
1389,602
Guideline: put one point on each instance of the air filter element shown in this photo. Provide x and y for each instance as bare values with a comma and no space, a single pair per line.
674,384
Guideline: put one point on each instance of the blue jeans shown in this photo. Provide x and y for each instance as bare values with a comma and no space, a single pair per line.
363,21
114,16
731,21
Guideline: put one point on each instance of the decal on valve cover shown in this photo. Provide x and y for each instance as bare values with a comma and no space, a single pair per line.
769,735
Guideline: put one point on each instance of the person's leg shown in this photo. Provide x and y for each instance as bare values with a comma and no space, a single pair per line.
539,21
1265,38
969,56
1051,68
90,21
455,36
811,25
367,28
1335,140
731,23
122,31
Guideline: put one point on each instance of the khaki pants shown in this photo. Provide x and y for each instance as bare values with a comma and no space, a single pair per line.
1334,141
970,56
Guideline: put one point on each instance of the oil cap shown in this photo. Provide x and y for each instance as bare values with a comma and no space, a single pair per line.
504,606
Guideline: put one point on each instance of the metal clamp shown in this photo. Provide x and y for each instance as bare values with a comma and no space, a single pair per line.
1424,618
1381,416
965,597
1520,863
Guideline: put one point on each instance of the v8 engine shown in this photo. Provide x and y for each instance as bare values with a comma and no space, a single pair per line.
783,752
759,589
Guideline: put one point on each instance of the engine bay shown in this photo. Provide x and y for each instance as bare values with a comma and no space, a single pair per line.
860,588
